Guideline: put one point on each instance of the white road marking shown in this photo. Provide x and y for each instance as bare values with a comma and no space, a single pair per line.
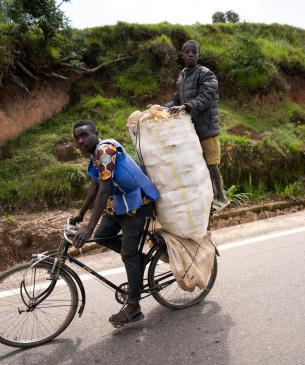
105,273
261,238
221,247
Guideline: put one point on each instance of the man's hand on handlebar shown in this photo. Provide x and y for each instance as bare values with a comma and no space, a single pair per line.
82,237
76,219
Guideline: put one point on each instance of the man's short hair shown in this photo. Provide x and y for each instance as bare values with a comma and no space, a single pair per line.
193,43
84,122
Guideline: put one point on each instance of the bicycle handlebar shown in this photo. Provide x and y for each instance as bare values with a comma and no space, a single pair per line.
69,229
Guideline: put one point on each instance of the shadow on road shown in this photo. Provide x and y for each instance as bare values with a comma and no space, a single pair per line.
197,335
37,355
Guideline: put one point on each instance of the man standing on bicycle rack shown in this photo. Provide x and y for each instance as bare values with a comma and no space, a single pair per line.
124,195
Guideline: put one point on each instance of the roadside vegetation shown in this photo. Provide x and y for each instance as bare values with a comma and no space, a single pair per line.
263,124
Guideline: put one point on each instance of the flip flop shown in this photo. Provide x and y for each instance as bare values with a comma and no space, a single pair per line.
217,205
128,319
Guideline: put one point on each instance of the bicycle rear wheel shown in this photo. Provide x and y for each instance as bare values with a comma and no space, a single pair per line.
165,288
24,326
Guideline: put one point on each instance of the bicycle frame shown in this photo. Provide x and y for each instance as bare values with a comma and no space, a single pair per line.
58,263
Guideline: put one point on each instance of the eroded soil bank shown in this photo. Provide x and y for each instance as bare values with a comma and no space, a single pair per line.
20,111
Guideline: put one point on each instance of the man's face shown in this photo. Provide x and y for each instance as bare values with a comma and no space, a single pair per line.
190,54
85,138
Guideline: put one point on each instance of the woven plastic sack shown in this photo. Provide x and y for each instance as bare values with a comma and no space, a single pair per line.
169,150
171,153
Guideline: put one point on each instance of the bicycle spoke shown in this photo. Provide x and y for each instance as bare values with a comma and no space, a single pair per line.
167,291
52,317
32,324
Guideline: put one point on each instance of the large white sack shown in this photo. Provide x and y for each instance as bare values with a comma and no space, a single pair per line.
172,155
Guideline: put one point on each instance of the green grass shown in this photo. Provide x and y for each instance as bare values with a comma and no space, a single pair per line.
224,44
136,80
32,177
255,191
291,190
259,118
261,144
226,48
246,55
262,141
284,54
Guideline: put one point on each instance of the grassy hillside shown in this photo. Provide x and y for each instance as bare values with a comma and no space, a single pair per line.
263,130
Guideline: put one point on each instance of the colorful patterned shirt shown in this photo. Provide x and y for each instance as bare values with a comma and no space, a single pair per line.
105,158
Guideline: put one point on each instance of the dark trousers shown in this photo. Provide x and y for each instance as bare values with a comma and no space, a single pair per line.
132,227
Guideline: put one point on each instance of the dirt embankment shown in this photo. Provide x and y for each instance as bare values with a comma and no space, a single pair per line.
297,88
20,111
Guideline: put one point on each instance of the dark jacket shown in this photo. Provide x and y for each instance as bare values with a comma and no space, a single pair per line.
197,88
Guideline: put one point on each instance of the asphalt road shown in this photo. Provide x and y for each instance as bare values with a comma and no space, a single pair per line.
254,314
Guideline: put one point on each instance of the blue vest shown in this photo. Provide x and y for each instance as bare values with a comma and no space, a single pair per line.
129,183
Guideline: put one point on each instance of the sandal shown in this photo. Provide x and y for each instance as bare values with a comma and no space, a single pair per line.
124,317
218,206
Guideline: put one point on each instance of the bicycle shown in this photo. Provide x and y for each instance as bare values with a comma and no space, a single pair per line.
39,299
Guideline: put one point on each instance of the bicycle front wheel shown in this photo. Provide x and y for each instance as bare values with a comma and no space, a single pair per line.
24,324
165,288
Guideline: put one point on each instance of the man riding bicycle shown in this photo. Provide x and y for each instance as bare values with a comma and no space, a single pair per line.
124,196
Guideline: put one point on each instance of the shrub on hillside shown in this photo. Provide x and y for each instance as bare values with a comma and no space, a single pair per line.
137,79
246,64
6,47
161,51
54,185
276,157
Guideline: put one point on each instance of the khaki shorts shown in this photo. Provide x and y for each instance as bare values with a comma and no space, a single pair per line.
211,150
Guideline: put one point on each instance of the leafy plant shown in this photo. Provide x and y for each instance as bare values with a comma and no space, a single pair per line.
137,79
246,63
254,191
288,191
233,194
161,51
42,14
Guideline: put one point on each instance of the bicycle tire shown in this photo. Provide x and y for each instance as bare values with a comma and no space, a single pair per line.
154,280
11,302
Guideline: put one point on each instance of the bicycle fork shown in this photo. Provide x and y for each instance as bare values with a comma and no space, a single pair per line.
32,301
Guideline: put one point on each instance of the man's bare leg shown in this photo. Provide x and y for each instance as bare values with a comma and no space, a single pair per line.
217,185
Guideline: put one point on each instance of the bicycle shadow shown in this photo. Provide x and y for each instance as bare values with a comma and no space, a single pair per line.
36,355
197,335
